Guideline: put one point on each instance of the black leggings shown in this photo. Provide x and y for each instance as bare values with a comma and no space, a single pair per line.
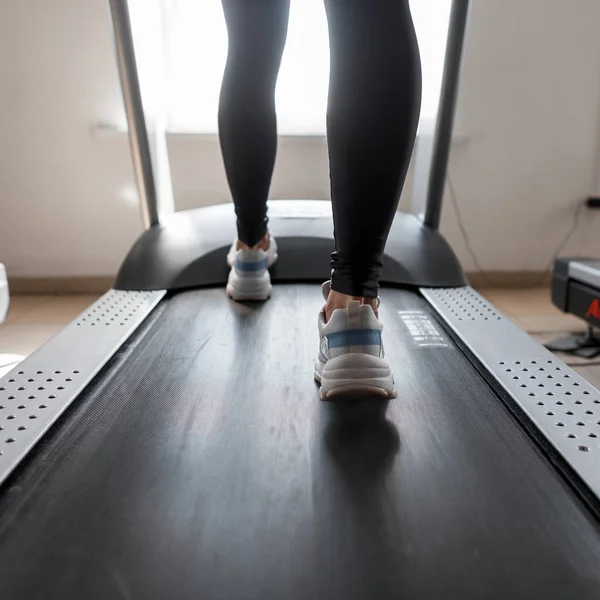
372,116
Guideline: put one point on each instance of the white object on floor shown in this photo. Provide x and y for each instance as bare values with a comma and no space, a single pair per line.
4,301
10,360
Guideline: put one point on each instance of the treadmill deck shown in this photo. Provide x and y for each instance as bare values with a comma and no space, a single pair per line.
204,466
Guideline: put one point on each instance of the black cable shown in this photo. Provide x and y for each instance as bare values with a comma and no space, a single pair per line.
565,241
592,363
471,251
463,230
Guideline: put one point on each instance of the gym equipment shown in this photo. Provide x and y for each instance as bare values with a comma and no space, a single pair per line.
576,290
170,443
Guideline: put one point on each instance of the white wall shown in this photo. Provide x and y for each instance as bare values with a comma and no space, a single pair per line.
60,212
529,104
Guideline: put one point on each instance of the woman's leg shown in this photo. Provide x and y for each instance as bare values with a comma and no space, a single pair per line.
373,111
257,31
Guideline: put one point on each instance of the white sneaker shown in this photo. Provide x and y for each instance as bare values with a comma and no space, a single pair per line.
249,277
351,358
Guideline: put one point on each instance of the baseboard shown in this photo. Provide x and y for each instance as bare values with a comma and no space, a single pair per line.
509,279
59,285
99,285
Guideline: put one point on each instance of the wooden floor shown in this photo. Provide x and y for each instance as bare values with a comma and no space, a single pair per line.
532,310
33,320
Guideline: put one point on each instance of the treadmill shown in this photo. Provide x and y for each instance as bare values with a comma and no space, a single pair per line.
170,443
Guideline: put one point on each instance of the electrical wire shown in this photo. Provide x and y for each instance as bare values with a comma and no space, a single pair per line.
565,241
463,230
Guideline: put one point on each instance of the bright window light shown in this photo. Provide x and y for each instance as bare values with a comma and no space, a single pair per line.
181,48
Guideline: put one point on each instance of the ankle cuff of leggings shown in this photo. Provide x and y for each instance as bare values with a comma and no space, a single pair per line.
354,287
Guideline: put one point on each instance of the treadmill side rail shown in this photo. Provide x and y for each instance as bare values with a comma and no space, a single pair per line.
36,392
562,405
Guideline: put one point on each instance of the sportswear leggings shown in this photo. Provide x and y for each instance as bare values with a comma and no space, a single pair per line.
372,115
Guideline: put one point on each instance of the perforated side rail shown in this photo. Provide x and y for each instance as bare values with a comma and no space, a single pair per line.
34,394
465,304
562,405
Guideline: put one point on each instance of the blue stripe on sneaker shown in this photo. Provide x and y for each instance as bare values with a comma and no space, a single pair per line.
259,265
354,337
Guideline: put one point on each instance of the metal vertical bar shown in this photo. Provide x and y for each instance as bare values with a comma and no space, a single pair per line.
445,120
132,97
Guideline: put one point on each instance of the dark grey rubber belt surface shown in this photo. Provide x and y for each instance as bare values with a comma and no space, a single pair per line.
205,467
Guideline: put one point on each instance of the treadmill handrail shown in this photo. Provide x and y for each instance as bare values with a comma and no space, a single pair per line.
132,97
146,177
445,120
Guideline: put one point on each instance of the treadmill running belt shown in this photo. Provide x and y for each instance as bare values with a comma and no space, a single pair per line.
204,466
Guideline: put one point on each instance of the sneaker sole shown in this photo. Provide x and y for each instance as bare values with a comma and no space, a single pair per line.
249,288
247,297
352,375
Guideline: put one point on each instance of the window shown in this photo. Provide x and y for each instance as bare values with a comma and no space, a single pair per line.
181,49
